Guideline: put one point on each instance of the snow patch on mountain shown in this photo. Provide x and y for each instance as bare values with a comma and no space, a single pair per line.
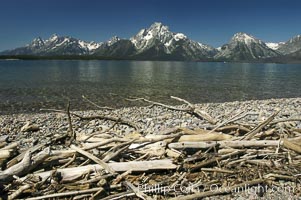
179,36
90,46
274,45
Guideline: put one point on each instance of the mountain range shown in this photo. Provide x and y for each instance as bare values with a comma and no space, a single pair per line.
158,43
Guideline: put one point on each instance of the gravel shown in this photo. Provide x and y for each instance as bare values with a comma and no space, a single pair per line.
153,120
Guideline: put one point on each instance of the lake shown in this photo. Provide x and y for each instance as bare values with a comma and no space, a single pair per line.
27,86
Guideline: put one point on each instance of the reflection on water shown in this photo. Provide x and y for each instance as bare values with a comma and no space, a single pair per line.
31,85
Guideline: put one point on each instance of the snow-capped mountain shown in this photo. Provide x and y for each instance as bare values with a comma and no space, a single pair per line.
56,45
291,46
274,45
244,47
158,41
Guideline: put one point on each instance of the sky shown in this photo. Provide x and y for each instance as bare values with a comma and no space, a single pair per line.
211,22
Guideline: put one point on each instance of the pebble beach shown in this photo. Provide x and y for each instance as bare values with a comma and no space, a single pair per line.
155,120
151,120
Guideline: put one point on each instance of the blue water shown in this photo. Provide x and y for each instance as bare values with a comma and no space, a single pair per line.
27,86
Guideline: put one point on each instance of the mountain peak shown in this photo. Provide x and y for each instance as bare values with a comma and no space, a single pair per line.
242,37
245,38
243,46
113,40
53,37
295,39
37,42
159,26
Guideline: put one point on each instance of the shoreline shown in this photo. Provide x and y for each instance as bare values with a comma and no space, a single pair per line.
44,111
253,143
151,120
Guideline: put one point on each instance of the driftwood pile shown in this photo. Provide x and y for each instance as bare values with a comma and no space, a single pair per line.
181,163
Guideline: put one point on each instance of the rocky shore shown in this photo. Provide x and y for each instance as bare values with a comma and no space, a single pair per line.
240,120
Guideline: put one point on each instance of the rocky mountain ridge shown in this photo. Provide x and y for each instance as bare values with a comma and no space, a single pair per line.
159,43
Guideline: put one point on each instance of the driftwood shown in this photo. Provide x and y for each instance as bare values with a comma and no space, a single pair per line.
134,166
25,166
66,194
191,108
94,158
97,106
231,153
250,134
225,144
5,154
101,117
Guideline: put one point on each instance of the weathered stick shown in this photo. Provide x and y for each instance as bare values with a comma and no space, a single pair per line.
253,132
191,108
236,117
65,194
94,158
217,170
101,117
137,191
18,192
230,127
70,129
200,113
214,160
111,118
99,144
94,104
224,144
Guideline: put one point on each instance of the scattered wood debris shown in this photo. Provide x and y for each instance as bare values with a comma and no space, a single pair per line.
223,157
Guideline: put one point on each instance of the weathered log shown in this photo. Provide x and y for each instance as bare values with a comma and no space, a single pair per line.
224,144
291,145
135,166
25,166
21,156
5,154
12,145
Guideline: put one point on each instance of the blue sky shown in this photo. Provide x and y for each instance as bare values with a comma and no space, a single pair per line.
209,21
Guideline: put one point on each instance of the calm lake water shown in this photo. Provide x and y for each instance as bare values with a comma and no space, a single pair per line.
31,85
